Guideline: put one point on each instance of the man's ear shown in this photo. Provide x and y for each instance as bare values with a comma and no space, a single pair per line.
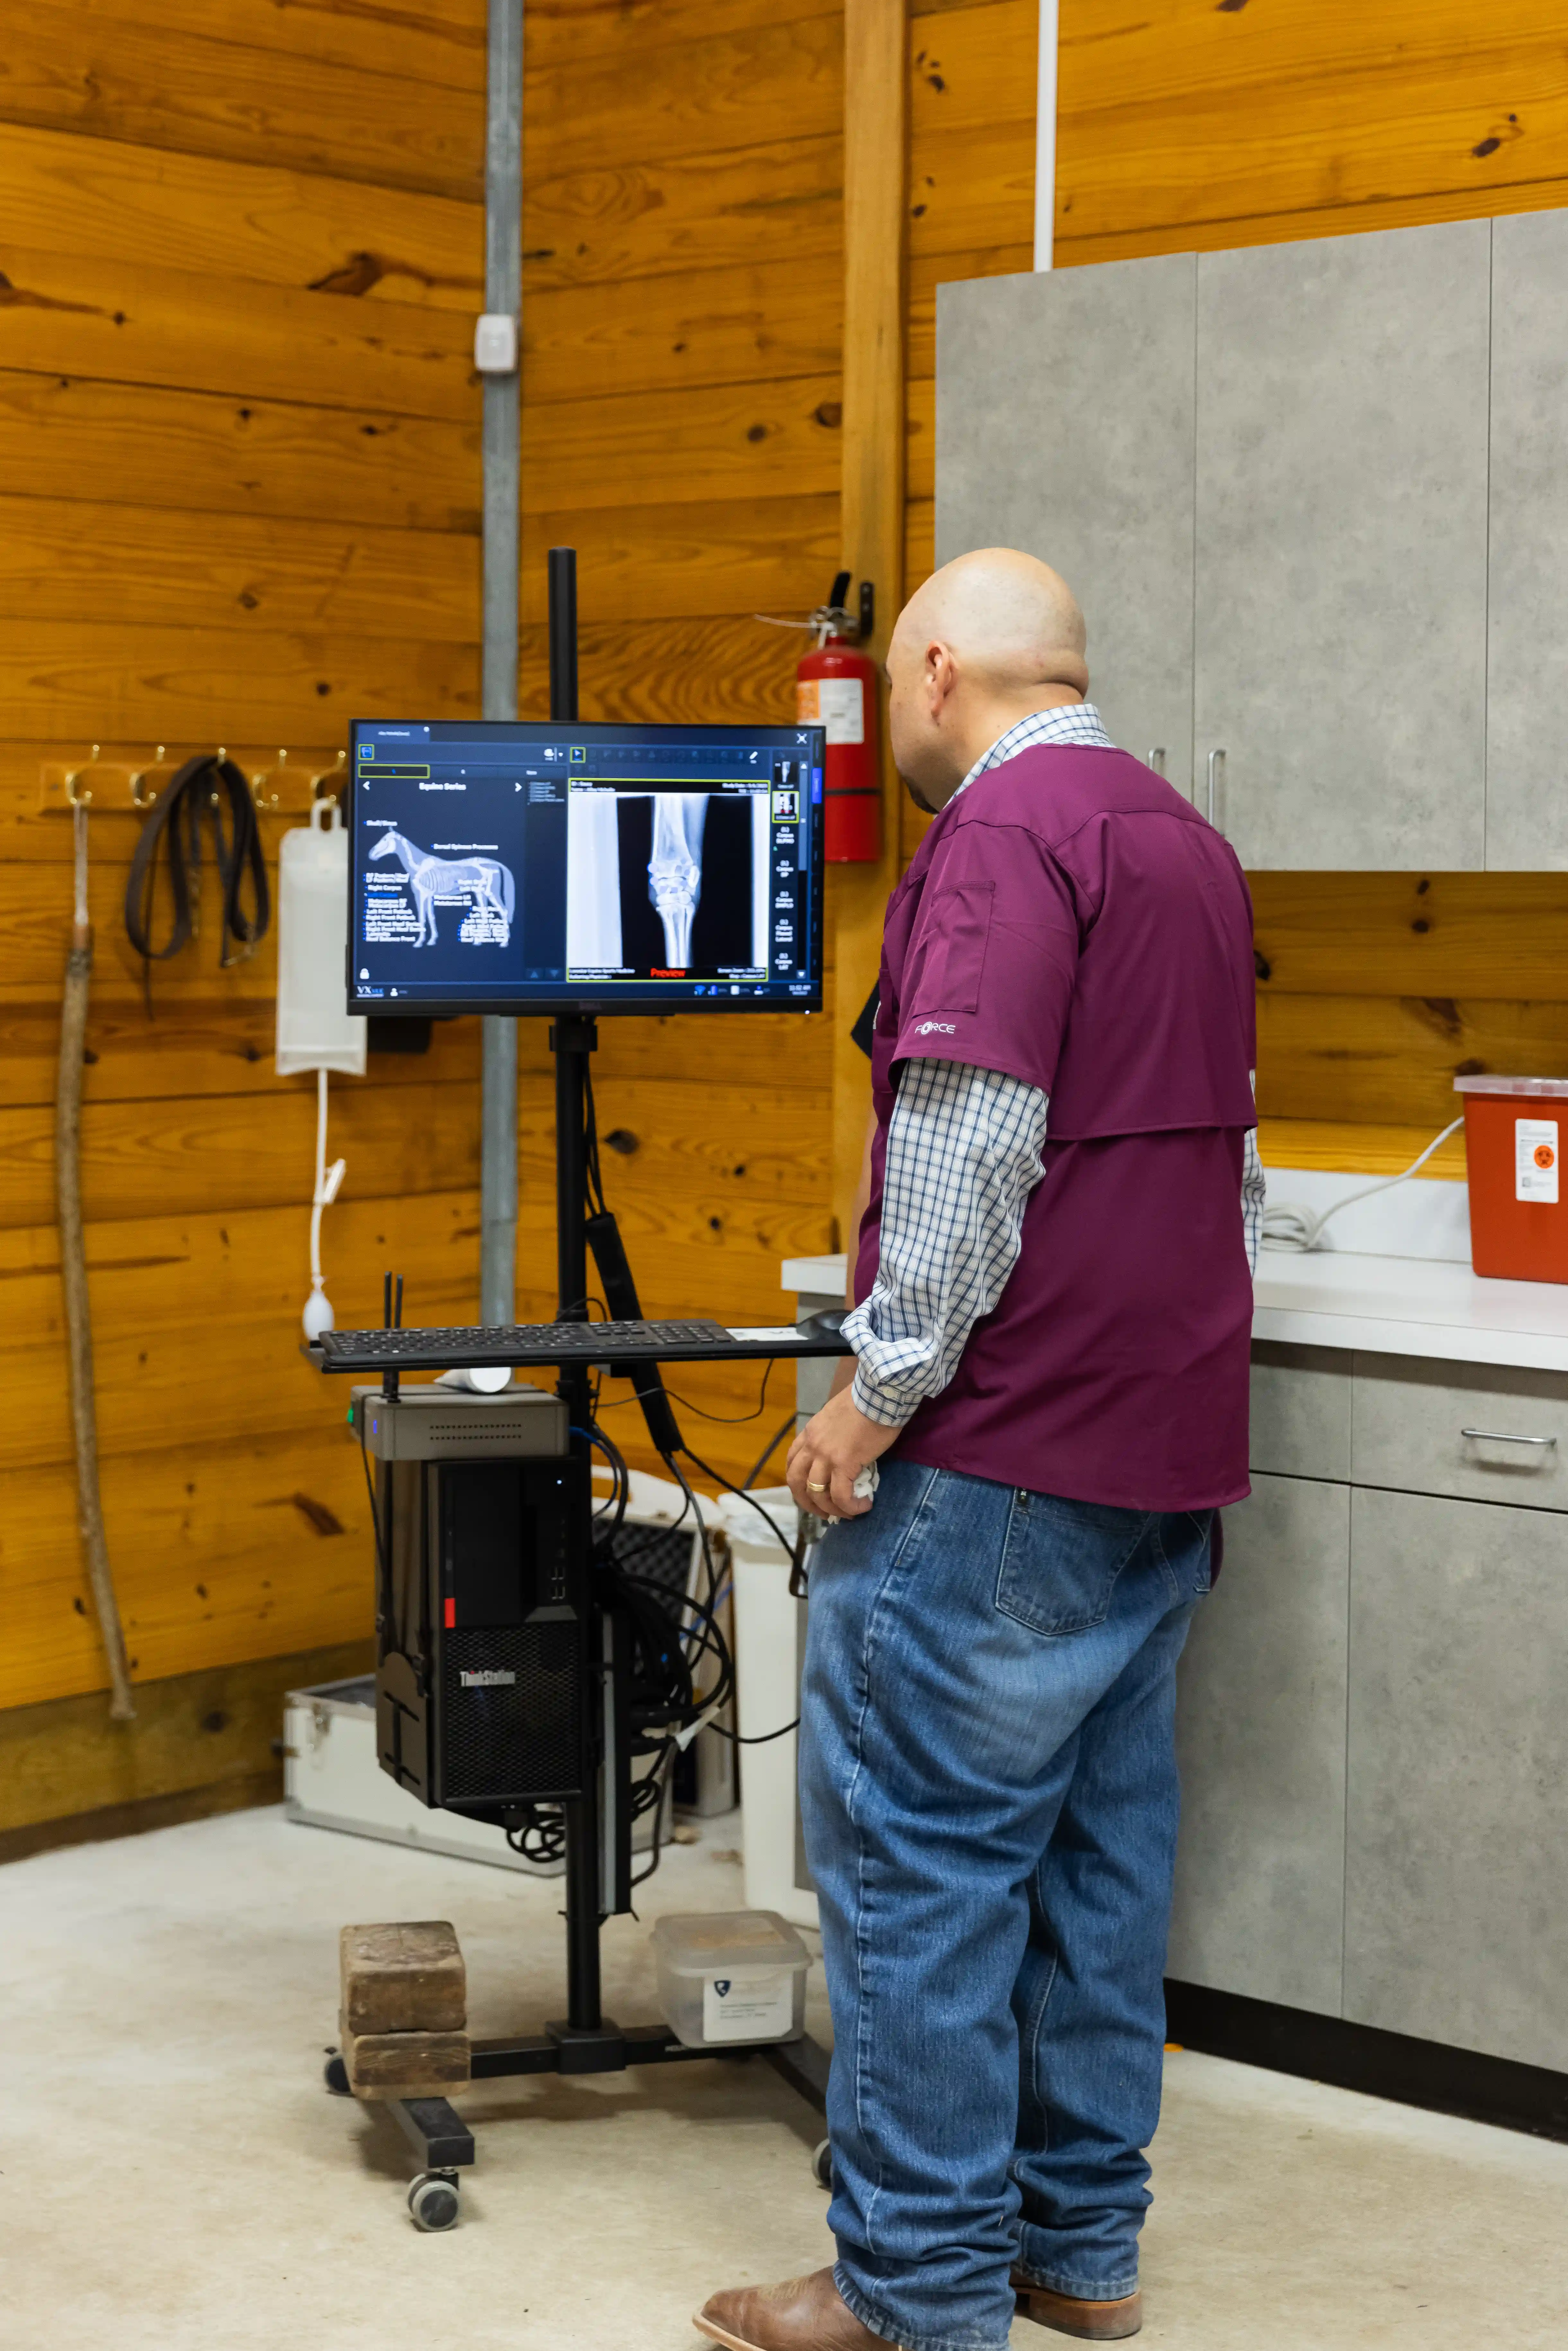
940,676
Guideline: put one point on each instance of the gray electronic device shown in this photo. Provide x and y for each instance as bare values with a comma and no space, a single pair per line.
427,1422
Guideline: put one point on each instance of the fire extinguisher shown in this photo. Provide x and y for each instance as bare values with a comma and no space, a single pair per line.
836,688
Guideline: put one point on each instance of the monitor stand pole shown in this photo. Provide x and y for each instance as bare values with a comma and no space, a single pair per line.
572,1038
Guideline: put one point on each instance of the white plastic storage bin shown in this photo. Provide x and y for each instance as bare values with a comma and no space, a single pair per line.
770,1651
737,1975
331,1780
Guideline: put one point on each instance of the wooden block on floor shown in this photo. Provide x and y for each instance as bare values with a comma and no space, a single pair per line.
404,2065
403,1977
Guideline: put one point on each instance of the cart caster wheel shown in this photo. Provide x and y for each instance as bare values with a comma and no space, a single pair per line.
433,2200
822,2165
335,2074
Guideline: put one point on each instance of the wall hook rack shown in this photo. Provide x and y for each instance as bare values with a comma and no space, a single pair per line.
284,783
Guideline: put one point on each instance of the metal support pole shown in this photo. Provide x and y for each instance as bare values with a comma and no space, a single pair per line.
573,1039
502,461
563,632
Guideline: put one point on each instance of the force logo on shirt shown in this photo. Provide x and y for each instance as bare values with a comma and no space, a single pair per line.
939,1027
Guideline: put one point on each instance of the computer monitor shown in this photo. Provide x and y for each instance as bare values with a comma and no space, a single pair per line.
523,868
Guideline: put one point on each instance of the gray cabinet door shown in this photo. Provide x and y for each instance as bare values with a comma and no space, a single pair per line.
1341,547
1527,691
1064,426
1457,1834
1300,1424
1482,1432
1261,1733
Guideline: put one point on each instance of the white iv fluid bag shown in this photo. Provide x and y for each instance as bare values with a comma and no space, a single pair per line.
314,1029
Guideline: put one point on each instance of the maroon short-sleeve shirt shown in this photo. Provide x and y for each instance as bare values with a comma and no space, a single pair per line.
1071,920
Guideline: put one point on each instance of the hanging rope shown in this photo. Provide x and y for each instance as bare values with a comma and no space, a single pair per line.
73,1276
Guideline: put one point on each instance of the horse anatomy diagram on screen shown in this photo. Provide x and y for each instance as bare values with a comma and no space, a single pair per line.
483,885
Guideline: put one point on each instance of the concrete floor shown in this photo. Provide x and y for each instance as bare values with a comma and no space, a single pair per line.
173,2173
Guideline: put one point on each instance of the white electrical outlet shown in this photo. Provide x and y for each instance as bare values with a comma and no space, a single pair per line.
496,343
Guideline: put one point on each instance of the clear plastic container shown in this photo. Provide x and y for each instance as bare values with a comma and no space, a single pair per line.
731,1976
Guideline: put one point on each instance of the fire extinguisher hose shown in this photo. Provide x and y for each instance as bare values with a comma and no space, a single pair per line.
73,1274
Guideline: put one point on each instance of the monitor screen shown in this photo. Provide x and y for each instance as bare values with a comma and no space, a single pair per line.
511,867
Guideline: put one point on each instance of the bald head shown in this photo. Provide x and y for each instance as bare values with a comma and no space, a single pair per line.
1006,617
989,639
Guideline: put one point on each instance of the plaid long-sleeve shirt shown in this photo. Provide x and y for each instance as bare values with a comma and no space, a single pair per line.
963,1153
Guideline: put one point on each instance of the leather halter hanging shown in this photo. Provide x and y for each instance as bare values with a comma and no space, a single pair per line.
196,792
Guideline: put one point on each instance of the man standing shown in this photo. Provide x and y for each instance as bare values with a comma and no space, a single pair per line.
1052,1362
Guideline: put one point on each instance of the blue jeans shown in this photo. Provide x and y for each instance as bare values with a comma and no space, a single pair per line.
989,1788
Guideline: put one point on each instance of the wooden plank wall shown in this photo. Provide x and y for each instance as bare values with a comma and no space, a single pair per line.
1185,125
241,250
683,263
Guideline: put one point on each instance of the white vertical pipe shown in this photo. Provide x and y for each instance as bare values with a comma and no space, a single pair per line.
498,687
1045,137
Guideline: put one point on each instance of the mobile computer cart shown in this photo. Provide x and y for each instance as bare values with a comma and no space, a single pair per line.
585,2040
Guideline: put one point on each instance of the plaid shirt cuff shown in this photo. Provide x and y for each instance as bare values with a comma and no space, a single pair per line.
877,1401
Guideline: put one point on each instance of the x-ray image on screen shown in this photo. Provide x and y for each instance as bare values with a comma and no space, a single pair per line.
665,883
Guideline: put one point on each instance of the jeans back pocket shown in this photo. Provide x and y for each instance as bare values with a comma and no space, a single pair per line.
1060,1561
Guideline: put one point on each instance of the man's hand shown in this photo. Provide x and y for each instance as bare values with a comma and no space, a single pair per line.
829,1453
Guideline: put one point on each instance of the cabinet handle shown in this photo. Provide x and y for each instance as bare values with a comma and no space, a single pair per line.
1502,1437
1213,756
1156,759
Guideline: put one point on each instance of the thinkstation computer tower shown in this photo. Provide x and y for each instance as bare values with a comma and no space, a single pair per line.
482,1689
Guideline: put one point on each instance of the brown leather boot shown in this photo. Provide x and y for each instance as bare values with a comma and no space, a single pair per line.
804,2314
1095,2322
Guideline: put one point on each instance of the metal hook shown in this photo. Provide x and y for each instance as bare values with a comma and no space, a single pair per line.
264,790
139,795
334,776
78,798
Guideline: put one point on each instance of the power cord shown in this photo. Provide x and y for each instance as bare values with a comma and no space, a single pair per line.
1293,1228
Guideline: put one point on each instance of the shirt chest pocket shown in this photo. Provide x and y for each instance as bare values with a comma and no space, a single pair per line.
955,930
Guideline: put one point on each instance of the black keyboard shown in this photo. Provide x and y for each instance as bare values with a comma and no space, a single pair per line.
518,1344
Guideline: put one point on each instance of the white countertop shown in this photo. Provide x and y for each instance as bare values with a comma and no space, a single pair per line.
1388,1305
1409,1306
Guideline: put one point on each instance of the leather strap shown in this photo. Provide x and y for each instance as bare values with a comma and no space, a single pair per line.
199,792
